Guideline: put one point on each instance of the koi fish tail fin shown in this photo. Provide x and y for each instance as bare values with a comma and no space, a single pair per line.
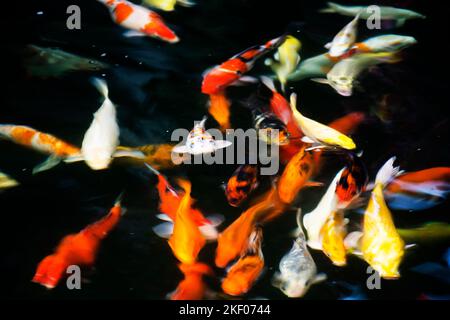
119,198
387,173
297,232
156,172
186,3
101,86
293,104
268,82
332,8
49,163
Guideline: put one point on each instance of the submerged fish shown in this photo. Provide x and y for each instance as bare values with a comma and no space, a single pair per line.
286,59
384,43
332,237
168,5
186,240
343,75
317,133
271,129
298,270
52,62
386,13
192,287
419,190
76,249
381,245
429,232
159,156
7,182
314,67
142,21
242,275
243,181
200,141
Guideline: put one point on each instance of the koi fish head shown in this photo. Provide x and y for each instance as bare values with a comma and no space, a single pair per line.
222,76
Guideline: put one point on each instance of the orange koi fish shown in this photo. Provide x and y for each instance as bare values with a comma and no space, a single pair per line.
243,274
39,141
159,156
419,190
243,181
186,240
233,240
295,175
192,286
170,201
332,236
281,108
353,180
36,140
76,249
217,79
142,21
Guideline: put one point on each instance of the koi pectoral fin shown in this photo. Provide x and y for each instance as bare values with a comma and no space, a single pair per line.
129,153
49,163
163,230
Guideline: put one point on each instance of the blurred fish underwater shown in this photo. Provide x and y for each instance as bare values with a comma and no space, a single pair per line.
87,177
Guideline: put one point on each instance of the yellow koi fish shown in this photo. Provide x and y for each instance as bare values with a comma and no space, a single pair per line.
167,5
381,245
333,234
319,134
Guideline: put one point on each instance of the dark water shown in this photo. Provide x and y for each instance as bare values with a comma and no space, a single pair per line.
157,89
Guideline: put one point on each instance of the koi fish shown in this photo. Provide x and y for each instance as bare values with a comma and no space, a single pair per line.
332,238
353,180
286,59
319,134
279,106
384,43
270,128
242,275
419,190
51,62
186,240
192,286
220,77
316,219
344,40
381,245
170,201
298,270
39,141
429,232
200,141
232,241
101,139
386,13
142,21
168,5
7,182
314,67
77,249
217,79
295,176
343,75
243,181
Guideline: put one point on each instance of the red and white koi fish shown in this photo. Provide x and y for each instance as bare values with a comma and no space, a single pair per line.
142,21
344,40
232,71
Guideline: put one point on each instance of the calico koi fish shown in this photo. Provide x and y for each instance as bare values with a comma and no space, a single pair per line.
217,79
76,249
353,180
200,141
242,275
142,21
243,181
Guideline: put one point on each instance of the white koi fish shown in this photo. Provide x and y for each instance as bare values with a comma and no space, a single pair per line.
344,40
